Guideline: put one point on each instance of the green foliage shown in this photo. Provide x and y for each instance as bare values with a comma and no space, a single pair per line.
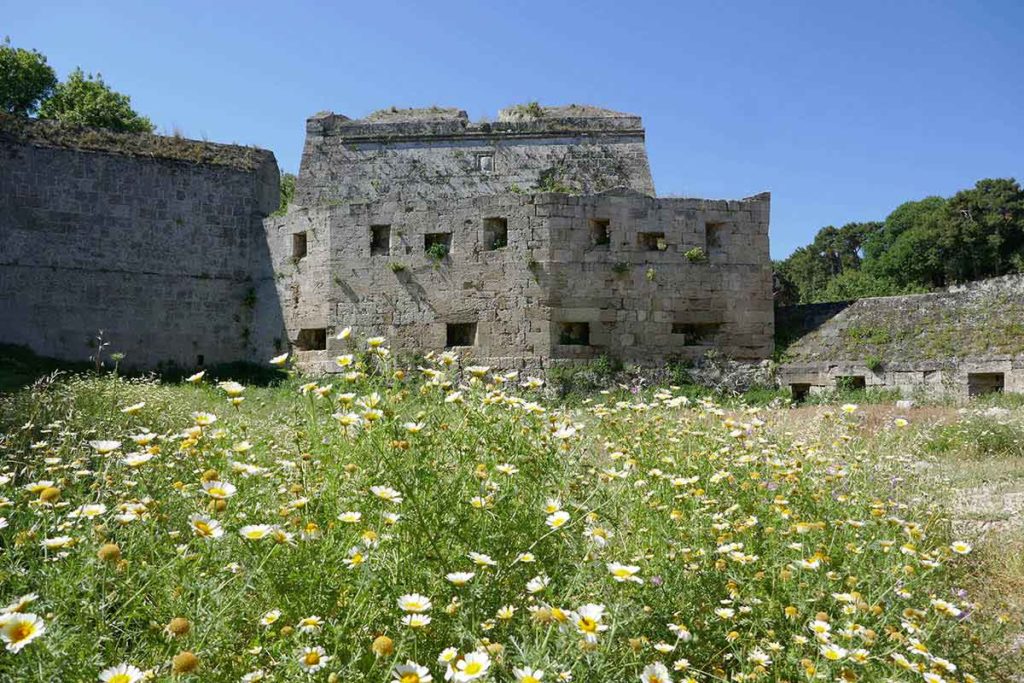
620,268
396,266
978,438
287,192
934,242
550,181
25,79
530,110
874,362
86,100
437,251
696,255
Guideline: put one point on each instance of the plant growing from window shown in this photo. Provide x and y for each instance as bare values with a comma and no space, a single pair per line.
437,251
696,255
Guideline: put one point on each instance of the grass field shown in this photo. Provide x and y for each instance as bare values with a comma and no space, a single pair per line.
451,523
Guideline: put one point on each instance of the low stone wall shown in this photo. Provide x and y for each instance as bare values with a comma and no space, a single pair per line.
962,341
156,241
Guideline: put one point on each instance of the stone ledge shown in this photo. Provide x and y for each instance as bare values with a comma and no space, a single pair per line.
17,130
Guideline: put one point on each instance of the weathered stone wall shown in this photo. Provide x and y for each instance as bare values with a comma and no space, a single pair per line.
427,154
156,241
926,342
639,303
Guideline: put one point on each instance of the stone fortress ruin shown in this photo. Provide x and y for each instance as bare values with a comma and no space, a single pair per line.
533,240
528,241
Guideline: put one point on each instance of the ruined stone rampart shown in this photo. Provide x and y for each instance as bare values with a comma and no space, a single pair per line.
934,342
156,241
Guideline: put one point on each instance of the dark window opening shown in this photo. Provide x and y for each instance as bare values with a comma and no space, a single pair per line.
200,359
495,233
298,245
850,382
312,340
380,240
460,334
713,236
799,391
574,334
981,383
599,234
695,334
651,241
437,244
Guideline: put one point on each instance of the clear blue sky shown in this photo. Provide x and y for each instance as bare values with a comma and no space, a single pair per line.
841,109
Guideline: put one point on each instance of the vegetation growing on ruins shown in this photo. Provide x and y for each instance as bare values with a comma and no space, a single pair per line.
404,523
922,245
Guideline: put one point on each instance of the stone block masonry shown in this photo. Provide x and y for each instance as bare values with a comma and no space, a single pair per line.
529,242
157,241
966,341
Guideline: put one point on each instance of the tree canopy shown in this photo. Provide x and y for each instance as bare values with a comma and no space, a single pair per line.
85,100
921,245
28,86
25,79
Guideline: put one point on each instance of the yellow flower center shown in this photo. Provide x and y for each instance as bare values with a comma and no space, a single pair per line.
587,625
120,678
217,491
21,632
410,678
312,658
473,668
530,679
203,528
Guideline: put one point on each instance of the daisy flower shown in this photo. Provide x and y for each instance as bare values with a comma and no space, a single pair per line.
655,673
460,578
219,490
416,620
587,620
279,360
204,527
255,532
386,493
411,672
482,560
270,617
122,673
312,659
105,447
528,675
624,572
196,378
960,547
472,667
414,602
310,624
18,630
558,519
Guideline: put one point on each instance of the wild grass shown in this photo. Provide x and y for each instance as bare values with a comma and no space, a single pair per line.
631,534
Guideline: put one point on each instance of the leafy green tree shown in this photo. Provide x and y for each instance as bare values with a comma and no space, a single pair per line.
86,100
908,249
25,79
986,235
808,270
